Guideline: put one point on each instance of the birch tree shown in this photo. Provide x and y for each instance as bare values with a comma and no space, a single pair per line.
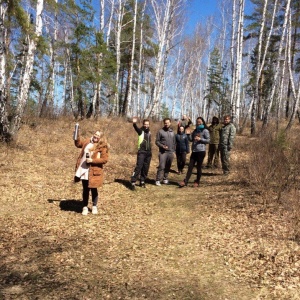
236,90
30,43
48,103
277,70
118,31
139,73
128,102
4,123
165,14
296,94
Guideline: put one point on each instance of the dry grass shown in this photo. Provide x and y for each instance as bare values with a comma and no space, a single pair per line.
214,242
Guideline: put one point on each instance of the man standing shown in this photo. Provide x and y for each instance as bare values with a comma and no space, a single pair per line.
144,154
213,148
165,140
227,135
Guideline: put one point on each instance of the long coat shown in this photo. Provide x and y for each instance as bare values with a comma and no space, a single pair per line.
100,157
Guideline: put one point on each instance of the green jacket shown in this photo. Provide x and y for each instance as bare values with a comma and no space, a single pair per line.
214,132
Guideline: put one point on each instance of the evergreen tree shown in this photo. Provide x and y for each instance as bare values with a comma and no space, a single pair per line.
217,90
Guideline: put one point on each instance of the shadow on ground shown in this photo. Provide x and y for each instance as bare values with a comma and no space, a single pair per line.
127,183
68,204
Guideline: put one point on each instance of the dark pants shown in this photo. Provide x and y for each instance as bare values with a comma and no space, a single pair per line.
142,166
213,155
181,159
196,157
86,192
165,163
225,158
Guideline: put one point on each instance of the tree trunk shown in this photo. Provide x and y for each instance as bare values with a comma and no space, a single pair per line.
116,104
295,94
129,105
4,122
26,76
237,99
275,80
139,75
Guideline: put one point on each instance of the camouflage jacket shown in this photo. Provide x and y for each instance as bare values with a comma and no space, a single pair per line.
227,135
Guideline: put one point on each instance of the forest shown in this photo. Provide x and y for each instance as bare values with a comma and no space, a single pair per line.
102,62
127,58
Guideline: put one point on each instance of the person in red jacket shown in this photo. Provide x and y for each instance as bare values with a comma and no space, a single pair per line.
89,167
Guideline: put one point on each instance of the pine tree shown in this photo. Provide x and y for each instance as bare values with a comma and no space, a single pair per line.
217,91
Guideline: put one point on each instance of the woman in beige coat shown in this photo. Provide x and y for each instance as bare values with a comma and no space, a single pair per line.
89,167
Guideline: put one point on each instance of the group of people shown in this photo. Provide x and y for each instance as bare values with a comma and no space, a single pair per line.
219,137
94,154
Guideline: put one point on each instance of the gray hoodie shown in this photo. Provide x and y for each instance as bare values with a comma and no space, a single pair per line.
199,146
166,138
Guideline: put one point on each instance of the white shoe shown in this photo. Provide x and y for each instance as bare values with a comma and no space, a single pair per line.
85,211
165,181
94,210
157,183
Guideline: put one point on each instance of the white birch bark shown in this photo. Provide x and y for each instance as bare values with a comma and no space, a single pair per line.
112,9
26,76
178,78
277,70
261,61
138,100
237,102
296,95
4,123
49,97
162,23
99,57
164,18
118,30
129,98
69,78
223,34
3,9
233,51
102,15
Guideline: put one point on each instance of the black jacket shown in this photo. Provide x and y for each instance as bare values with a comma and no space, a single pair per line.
182,143
144,140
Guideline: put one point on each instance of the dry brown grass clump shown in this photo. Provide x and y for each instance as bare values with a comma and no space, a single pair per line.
272,173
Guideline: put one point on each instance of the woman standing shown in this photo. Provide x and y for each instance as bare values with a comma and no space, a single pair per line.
182,148
199,138
89,167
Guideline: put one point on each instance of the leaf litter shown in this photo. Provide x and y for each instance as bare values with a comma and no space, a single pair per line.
155,243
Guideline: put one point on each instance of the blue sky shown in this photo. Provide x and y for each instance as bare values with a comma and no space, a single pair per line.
198,11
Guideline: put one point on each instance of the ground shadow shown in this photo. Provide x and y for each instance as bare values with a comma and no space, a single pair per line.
210,174
68,204
124,182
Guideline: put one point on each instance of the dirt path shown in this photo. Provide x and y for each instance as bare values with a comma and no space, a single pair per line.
154,243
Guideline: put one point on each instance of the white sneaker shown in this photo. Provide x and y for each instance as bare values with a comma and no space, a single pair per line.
94,210
85,211
165,181
157,183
